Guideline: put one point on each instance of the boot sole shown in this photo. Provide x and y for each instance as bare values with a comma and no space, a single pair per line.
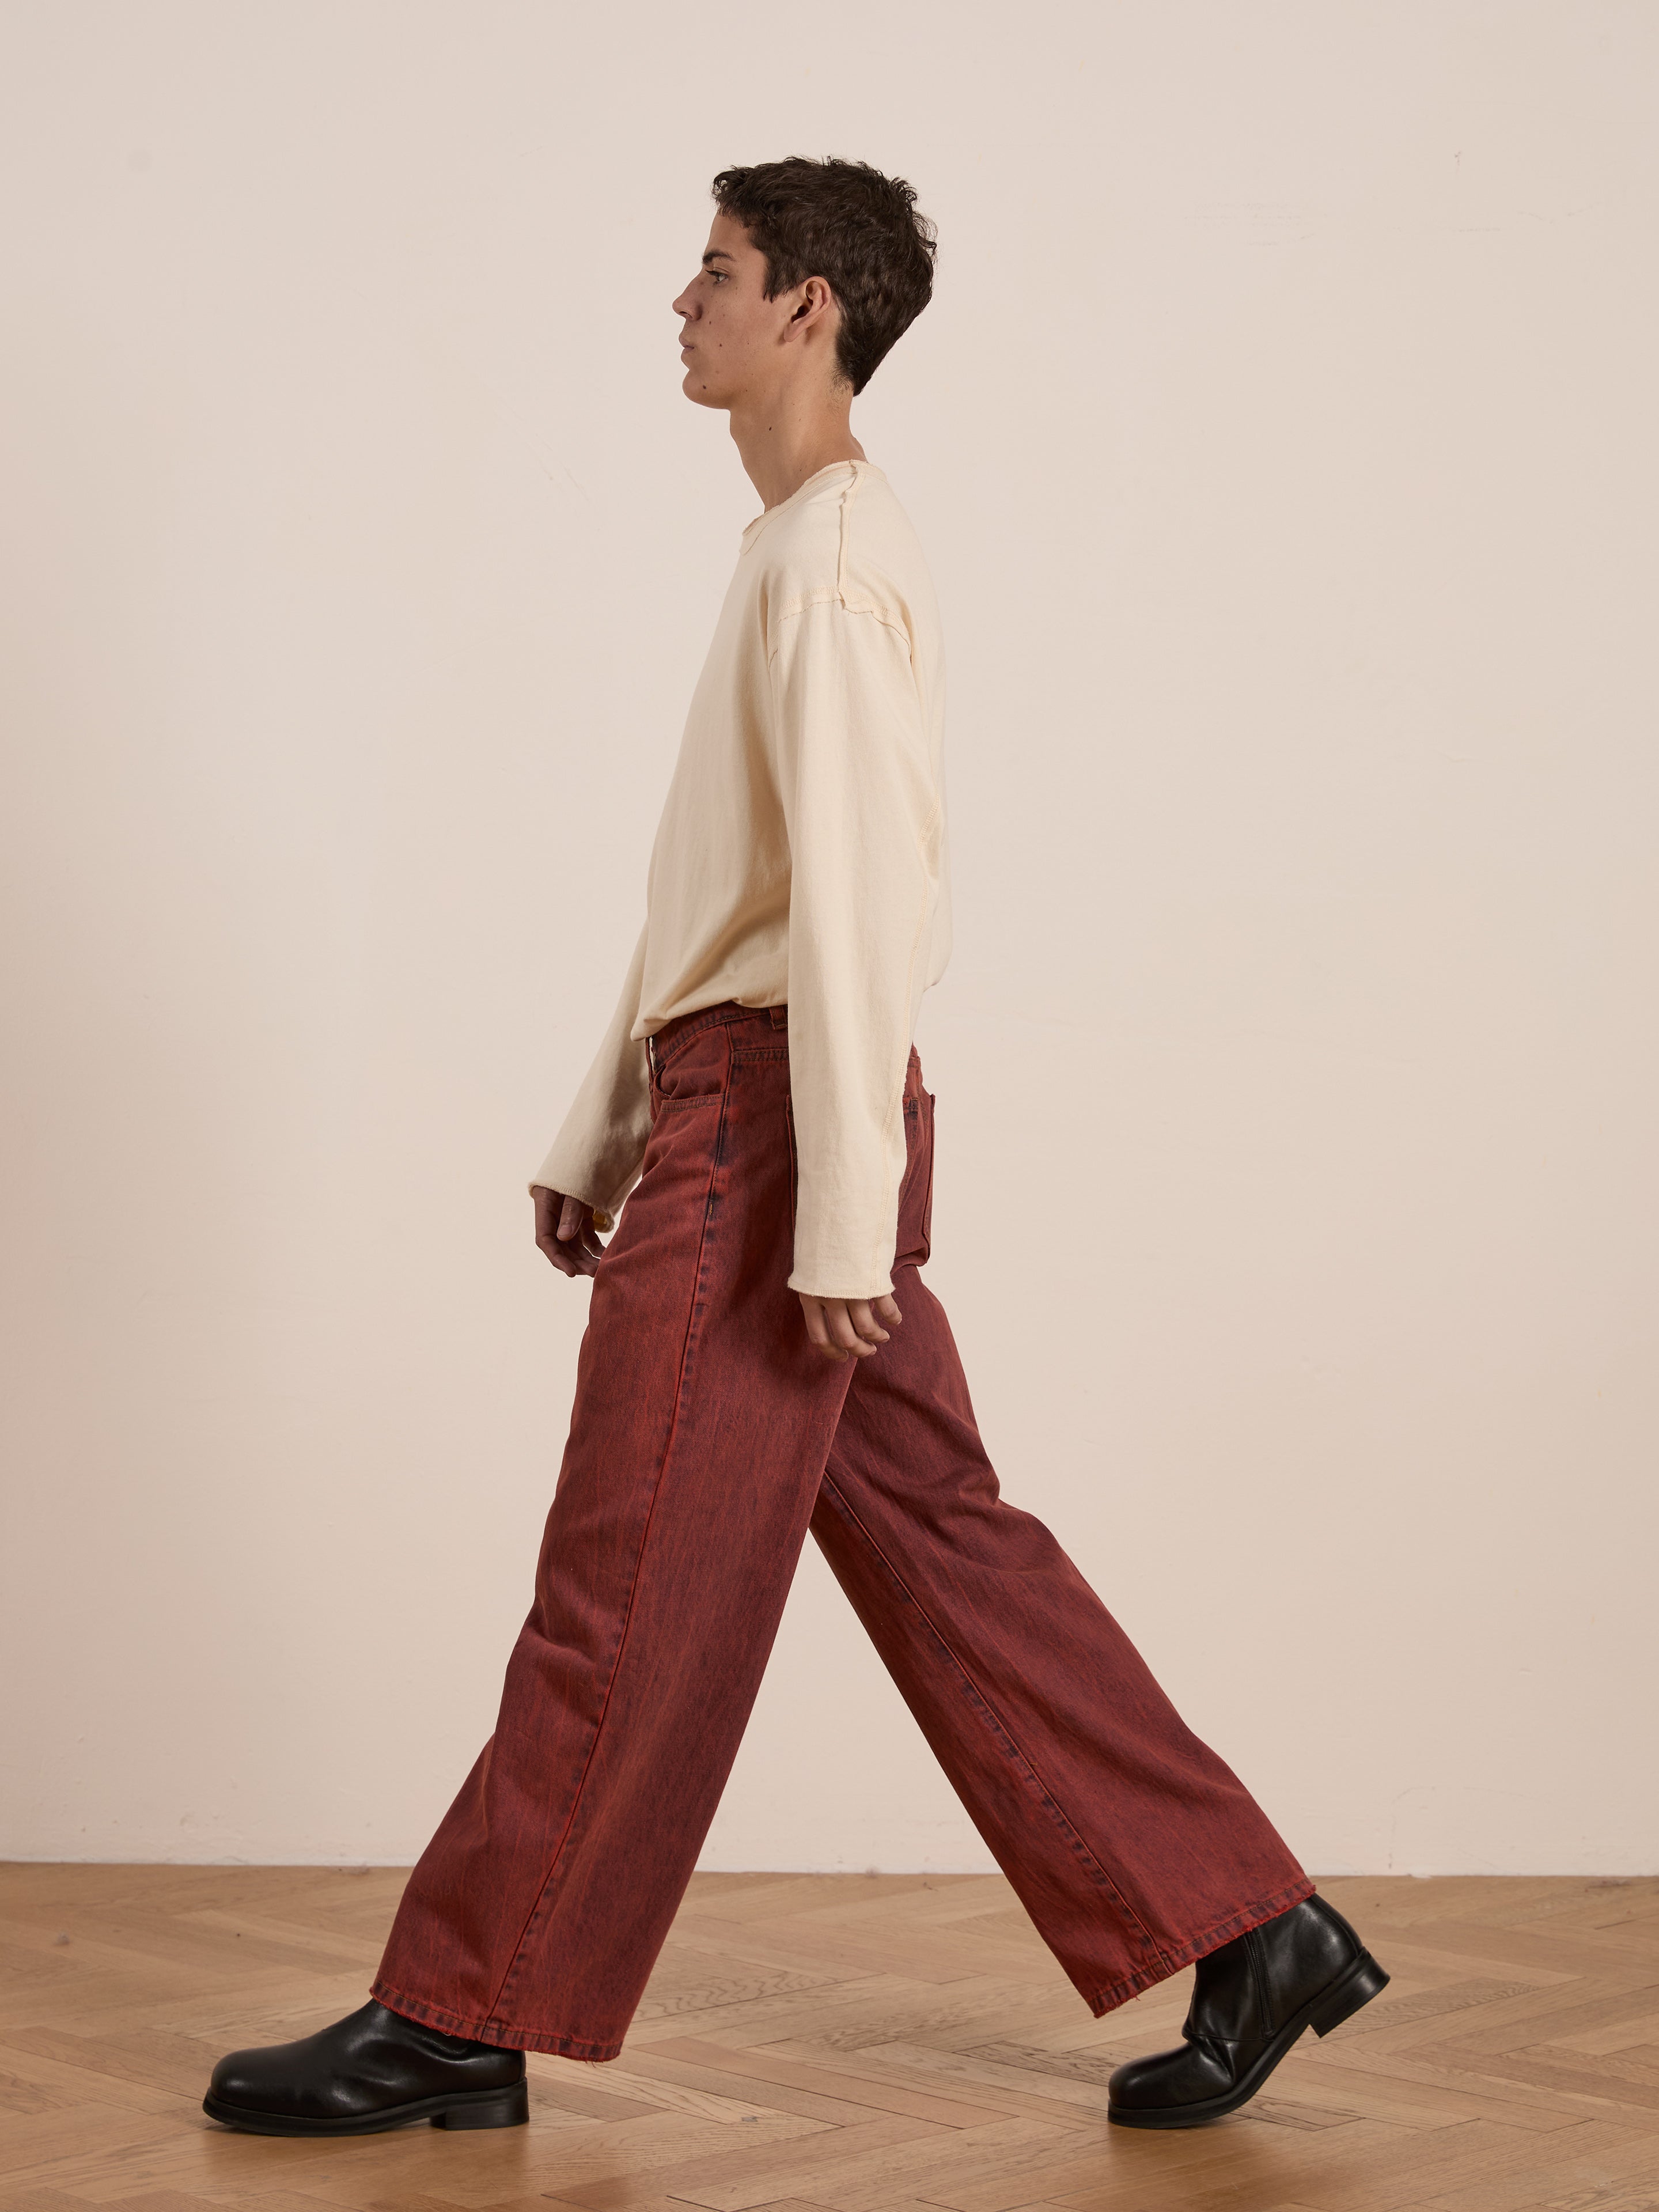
459,2108
1336,2002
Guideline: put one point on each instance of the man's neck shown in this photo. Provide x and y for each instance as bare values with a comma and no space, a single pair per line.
785,438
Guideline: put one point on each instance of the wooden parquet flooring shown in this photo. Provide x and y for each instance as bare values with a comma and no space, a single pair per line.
857,2043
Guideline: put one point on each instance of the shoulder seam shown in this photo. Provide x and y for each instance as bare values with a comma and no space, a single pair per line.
846,499
886,617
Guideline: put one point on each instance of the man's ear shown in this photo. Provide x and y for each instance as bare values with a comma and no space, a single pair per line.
816,299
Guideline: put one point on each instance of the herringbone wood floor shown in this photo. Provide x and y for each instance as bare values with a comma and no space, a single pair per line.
862,2044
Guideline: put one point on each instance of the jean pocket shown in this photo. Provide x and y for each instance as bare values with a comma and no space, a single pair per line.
695,1071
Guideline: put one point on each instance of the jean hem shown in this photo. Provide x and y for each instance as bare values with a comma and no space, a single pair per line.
1171,1960
496,2032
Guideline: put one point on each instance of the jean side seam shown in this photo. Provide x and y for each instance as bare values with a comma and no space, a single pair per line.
1051,1804
695,1308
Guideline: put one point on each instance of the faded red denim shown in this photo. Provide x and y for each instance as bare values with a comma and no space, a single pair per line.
706,1438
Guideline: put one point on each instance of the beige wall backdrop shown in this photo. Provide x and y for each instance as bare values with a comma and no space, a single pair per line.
1283,436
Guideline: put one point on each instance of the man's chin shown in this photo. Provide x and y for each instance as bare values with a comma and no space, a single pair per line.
701,393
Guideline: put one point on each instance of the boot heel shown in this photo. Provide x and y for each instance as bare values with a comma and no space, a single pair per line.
1360,1986
506,2108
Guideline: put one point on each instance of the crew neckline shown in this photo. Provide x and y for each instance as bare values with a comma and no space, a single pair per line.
767,514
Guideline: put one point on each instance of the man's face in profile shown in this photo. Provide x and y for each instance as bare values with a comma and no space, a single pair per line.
729,341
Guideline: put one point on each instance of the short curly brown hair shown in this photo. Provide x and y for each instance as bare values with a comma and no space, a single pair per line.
846,222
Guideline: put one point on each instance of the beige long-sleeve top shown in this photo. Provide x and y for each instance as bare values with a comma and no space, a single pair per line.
801,857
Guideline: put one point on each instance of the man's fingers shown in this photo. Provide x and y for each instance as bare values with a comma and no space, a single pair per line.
832,1327
816,1332
565,1257
564,1232
557,1253
813,1308
576,1232
862,1314
547,1216
849,1328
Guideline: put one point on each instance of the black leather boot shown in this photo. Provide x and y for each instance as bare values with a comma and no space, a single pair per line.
371,2070
1251,1999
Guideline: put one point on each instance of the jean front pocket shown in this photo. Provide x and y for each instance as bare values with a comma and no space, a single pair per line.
695,1071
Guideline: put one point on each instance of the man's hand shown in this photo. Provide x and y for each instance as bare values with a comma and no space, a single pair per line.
847,1328
564,1229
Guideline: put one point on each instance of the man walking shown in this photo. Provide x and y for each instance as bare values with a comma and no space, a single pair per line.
762,1356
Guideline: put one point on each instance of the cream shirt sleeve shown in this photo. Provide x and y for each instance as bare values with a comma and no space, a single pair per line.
597,1153
863,813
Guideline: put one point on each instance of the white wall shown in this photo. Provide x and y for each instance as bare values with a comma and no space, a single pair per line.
1283,435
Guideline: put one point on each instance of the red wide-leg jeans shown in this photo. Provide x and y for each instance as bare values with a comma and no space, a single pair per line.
708,1435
